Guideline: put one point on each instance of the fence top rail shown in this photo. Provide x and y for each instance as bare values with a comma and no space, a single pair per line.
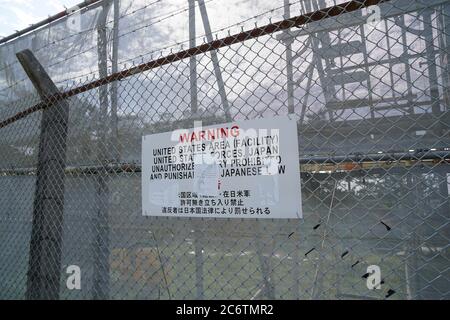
267,29
353,162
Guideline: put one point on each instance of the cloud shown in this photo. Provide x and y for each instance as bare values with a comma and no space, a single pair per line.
19,14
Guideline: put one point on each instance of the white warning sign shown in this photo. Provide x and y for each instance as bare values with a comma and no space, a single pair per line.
242,169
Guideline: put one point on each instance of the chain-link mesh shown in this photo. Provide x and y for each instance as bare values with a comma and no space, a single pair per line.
369,88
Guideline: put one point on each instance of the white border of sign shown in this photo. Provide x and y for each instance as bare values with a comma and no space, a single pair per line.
242,169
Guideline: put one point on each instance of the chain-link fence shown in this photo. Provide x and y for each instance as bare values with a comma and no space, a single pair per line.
366,81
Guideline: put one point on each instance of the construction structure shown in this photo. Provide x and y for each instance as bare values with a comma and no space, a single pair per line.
367,82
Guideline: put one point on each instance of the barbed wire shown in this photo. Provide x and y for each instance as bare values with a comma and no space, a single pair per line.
159,19
214,45
151,52
73,34
180,44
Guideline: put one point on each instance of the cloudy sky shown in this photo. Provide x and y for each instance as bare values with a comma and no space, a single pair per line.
145,26
19,14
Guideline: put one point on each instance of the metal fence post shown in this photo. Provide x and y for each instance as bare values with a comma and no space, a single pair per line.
264,262
44,266
192,59
199,261
215,60
289,66
101,283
